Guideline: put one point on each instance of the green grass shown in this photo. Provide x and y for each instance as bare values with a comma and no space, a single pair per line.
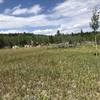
49,74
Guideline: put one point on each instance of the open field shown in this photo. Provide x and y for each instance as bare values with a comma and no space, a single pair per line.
49,74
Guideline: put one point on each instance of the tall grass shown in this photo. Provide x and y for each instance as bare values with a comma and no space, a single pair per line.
49,74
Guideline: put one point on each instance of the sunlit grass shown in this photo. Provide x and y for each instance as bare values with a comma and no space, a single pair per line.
49,74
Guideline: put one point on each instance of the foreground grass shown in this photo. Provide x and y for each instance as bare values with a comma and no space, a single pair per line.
49,74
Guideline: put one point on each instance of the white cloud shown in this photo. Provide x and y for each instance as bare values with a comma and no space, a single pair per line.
35,9
45,31
9,22
18,10
75,7
1,1
13,31
78,11
10,11
71,15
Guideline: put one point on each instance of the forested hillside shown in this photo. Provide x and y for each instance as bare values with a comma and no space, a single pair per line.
21,39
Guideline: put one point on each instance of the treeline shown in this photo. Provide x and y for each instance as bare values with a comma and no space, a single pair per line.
22,39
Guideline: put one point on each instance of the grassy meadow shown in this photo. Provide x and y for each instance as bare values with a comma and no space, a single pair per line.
50,74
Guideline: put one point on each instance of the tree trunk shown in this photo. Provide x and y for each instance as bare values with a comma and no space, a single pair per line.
96,46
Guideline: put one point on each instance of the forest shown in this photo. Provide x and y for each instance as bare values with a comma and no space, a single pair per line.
21,39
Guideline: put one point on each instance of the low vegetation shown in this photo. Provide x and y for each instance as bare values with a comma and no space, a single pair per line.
50,74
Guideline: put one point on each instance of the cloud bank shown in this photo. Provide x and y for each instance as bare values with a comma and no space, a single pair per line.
70,16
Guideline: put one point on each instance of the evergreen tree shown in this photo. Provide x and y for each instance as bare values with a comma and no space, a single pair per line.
58,33
82,33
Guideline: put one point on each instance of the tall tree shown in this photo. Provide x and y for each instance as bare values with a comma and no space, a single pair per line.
82,32
94,24
58,33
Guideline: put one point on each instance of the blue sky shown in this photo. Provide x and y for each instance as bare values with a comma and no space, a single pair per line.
46,16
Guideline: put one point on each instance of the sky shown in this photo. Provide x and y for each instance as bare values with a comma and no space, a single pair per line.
46,16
